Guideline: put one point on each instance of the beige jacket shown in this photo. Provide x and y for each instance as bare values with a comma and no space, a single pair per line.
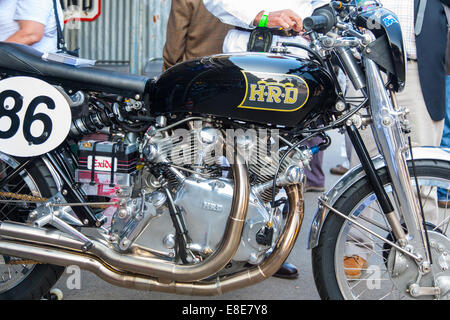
192,32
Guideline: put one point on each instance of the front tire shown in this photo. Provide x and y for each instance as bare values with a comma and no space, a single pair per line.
25,281
359,202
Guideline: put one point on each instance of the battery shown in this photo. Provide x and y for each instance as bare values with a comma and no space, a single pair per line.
106,156
105,166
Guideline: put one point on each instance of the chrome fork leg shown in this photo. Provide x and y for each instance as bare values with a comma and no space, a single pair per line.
388,134
376,184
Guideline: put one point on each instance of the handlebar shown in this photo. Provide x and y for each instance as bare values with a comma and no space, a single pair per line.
322,20
315,23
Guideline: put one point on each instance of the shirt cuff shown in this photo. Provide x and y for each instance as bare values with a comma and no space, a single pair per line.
247,16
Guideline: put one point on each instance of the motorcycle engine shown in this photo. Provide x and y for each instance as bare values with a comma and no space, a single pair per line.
202,191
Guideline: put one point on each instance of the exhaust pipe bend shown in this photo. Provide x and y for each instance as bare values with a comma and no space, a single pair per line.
215,287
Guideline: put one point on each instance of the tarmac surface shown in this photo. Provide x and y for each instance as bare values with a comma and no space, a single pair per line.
90,287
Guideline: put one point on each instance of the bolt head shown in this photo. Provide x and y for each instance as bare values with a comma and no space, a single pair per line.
387,121
123,213
33,215
340,106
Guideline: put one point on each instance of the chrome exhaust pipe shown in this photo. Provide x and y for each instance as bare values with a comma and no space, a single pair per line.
65,256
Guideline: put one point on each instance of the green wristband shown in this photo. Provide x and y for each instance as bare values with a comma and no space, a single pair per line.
263,21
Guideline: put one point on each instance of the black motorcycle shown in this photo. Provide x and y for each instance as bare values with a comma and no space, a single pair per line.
193,183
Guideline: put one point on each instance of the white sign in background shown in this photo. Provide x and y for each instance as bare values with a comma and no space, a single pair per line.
87,10
35,117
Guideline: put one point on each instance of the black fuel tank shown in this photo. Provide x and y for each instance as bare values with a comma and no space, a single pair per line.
262,88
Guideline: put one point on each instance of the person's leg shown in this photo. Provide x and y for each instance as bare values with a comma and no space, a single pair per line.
315,177
445,142
343,167
444,195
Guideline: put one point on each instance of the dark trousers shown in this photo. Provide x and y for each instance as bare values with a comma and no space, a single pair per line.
315,176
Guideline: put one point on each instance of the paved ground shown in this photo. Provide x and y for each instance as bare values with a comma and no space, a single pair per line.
272,289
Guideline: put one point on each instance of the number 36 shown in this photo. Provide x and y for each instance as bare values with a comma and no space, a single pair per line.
35,117
30,117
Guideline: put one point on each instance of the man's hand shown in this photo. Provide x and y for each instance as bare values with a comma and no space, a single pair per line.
29,32
286,19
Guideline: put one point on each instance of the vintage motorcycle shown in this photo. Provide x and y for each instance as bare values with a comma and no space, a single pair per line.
192,183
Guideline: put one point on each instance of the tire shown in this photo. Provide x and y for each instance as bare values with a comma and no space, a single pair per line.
327,267
37,279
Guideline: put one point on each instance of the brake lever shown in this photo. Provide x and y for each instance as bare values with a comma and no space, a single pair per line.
365,39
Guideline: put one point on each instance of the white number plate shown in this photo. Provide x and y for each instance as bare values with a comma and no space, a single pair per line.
35,117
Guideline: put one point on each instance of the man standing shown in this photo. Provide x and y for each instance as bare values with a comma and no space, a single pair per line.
192,32
285,22
443,194
30,22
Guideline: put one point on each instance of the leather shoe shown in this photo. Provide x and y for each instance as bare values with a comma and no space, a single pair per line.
339,170
287,271
353,266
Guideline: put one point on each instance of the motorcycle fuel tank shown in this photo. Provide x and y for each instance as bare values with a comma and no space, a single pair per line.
263,88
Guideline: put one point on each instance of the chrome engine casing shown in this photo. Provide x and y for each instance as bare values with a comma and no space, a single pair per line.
205,205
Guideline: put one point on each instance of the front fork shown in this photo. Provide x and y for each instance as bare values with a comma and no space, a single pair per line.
391,144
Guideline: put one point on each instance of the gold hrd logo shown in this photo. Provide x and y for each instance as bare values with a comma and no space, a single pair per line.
274,92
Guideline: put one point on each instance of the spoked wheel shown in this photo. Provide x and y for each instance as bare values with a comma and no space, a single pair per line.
20,278
384,273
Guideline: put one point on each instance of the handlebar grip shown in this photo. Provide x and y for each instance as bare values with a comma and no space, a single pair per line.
315,23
